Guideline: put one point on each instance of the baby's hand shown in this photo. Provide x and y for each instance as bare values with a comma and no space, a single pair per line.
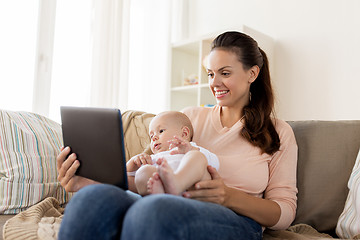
182,146
137,161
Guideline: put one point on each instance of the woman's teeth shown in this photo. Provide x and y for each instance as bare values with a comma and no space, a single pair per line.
220,93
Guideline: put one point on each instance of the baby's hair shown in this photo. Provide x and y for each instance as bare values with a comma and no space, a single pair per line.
180,118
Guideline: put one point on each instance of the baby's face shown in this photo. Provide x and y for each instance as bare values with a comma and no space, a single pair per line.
163,129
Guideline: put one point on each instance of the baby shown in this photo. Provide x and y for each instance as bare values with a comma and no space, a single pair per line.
177,163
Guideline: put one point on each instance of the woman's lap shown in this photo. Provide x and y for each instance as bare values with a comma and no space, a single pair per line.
97,212
171,217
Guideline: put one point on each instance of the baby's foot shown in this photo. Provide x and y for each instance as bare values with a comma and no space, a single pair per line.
154,185
168,178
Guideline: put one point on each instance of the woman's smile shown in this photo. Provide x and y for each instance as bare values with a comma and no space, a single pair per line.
221,93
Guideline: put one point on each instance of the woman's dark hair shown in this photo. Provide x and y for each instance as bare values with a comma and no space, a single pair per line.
259,129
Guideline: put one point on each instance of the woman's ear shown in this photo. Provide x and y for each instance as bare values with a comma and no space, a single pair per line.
185,132
254,73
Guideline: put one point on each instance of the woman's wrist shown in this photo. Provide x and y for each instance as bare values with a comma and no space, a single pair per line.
231,199
264,211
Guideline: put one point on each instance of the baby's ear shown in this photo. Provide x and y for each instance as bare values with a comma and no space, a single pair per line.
185,132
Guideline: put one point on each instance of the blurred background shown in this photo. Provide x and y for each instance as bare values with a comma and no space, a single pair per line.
118,53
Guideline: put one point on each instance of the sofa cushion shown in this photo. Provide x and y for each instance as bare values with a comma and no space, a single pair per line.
327,152
29,144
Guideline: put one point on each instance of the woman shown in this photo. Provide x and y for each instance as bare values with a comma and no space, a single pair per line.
256,183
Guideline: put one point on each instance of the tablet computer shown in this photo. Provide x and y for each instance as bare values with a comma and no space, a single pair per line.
96,136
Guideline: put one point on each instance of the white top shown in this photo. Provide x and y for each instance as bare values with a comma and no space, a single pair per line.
175,159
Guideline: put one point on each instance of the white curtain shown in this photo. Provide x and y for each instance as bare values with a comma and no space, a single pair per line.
104,53
18,24
129,58
149,58
71,65
130,54
90,55
109,71
44,57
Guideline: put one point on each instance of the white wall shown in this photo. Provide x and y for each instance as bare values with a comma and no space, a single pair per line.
317,51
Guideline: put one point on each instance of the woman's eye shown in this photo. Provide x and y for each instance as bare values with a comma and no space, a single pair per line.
225,73
210,75
162,130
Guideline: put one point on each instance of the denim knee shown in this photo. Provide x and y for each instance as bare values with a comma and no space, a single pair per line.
168,217
159,216
95,212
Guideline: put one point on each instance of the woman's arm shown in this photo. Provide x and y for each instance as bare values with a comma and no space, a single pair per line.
265,212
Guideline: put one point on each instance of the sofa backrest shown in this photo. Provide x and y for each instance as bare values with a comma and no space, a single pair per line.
327,153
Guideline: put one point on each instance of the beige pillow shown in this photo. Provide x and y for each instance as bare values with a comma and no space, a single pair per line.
348,225
136,131
29,144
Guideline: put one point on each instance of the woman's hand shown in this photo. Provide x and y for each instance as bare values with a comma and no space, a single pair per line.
265,212
213,190
66,171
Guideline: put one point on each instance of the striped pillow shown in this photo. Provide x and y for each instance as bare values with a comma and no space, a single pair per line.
348,225
29,144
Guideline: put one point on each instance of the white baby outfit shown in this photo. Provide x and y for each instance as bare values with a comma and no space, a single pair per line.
174,160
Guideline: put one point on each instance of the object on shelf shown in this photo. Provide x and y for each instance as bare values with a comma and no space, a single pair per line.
207,105
192,79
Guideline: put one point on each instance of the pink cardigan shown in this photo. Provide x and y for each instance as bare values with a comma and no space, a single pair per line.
243,166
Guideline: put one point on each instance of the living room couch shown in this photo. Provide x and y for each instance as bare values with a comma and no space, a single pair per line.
326,156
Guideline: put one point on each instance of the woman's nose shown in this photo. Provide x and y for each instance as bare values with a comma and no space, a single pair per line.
215,81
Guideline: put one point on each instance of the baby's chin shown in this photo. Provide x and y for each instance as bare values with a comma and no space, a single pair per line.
155,151
159,151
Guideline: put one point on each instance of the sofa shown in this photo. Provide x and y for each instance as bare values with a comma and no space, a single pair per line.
326,156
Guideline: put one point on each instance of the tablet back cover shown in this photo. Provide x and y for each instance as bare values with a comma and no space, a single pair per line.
96,136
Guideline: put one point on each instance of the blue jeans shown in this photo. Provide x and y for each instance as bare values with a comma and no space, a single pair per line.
96,212
157,217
